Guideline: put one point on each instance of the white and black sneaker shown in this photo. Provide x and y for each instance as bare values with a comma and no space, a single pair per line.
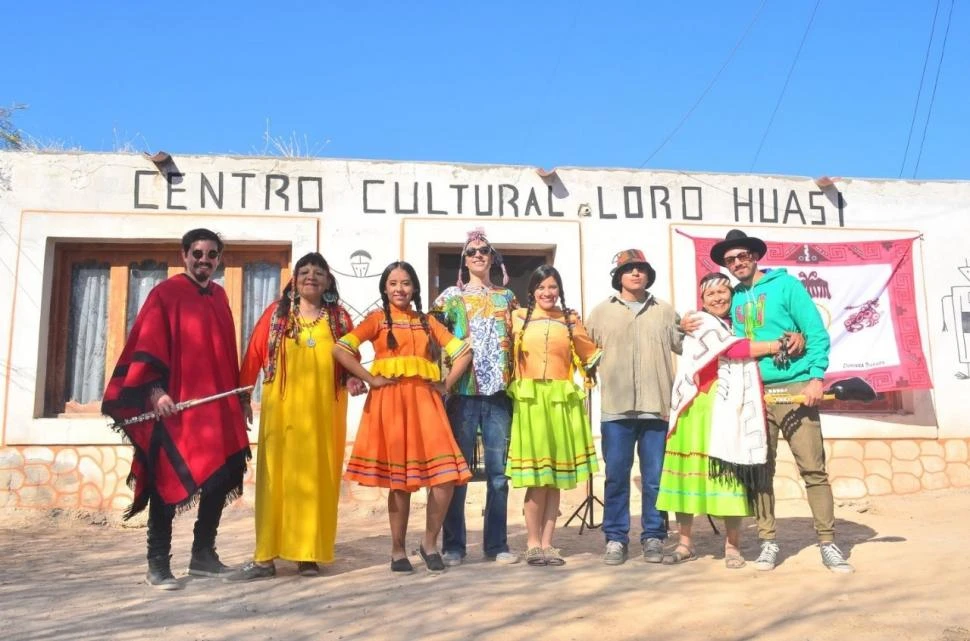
834,560
768,558
615,554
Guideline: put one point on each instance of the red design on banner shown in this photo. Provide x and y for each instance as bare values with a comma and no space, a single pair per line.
912,371
867,316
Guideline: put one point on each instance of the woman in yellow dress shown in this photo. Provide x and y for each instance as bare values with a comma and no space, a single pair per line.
303,422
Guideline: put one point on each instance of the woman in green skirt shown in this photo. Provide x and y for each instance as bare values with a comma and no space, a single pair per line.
715,459
551,446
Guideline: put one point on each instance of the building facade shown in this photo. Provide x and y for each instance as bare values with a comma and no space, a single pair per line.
86,236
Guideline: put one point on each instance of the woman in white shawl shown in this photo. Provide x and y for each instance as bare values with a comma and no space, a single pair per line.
716,449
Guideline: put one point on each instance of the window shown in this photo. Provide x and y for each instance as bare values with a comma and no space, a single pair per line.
520,262
99,289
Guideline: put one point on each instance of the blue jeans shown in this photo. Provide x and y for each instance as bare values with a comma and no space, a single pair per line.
619,439
494,415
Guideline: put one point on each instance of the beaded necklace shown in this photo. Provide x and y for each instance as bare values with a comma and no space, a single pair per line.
309,326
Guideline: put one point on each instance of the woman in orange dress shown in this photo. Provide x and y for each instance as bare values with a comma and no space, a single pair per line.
405,441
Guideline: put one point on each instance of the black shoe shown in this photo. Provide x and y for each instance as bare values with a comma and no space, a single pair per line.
205,562
250,572
402,565
434,561
160,574
307,568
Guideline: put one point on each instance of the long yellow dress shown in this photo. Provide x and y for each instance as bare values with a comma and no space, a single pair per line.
302,433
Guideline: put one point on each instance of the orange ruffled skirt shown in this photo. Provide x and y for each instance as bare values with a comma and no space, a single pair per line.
405,441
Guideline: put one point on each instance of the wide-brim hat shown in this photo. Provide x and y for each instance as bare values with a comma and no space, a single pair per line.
630,257
737,238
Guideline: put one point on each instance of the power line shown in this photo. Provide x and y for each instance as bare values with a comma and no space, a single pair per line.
707,89
939,67
919,90
791,70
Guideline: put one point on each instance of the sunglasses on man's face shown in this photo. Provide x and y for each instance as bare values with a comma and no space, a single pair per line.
198,254
739,257
481,251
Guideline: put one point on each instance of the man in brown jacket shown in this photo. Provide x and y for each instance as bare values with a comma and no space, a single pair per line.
637,333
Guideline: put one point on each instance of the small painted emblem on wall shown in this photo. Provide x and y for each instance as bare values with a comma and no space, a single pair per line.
958,311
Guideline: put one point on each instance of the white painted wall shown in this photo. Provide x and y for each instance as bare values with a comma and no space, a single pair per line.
75,196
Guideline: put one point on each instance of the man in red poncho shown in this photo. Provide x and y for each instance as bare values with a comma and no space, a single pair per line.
182,347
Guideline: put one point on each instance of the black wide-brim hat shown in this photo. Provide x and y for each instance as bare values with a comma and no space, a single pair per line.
737,238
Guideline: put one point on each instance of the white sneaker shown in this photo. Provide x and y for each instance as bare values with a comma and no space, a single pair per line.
615,553
506,558
833,559
451,559
768,558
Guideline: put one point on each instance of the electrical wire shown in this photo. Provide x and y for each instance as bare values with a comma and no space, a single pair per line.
939,67
708,88
919,90
784,87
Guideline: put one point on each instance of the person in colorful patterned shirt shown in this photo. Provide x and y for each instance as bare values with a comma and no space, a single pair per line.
479,312
404,441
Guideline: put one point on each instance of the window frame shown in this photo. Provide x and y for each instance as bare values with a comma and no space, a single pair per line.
119,255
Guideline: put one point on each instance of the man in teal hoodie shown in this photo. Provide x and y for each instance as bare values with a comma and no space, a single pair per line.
766,304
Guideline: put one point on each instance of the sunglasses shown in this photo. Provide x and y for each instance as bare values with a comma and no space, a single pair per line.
739,257
198,254
481,251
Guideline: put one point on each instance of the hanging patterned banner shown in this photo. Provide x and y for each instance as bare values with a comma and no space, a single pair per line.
866,296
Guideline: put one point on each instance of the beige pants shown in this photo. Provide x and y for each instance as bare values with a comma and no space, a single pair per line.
801,428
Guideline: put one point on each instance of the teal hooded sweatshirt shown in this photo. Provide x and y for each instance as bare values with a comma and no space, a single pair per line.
776,304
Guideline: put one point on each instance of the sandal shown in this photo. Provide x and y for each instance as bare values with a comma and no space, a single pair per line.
553,556
535,556
681,554
733,559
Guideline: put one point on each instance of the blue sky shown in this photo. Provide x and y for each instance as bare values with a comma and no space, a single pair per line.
573,83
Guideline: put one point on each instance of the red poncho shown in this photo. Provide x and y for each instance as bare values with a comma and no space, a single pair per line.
184,341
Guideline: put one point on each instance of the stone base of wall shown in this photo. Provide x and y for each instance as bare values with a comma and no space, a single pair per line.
92,478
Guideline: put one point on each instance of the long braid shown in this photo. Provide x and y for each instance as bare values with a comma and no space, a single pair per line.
570,321
569,314
391,341
293,327
528,317
434,349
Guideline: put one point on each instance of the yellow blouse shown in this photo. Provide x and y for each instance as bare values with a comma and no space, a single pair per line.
543,350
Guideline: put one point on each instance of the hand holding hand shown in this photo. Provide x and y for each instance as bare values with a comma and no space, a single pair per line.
378,382
355,386
796,343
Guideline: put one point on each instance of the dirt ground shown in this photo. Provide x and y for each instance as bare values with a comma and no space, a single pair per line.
80,577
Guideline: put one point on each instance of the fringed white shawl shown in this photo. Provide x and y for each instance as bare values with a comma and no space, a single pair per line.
738,434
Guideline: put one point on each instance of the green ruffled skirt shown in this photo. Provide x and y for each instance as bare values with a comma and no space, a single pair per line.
685,483
551,442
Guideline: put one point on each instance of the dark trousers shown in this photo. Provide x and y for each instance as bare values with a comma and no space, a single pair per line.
160,517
